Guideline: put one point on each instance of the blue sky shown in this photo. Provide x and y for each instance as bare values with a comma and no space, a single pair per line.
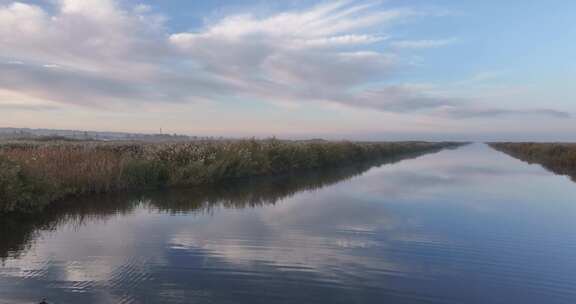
484,70
528,40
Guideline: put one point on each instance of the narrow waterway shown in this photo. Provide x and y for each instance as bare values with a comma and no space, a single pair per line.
470,225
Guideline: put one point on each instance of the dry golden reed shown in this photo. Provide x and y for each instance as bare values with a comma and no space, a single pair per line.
34,174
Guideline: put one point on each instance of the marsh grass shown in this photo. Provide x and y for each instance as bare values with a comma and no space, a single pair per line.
20,229
556,157
34,174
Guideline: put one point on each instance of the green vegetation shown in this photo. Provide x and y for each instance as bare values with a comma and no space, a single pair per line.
34,174
556,157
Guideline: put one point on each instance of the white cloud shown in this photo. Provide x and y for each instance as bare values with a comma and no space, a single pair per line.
472,112
101,53
84,35
422,44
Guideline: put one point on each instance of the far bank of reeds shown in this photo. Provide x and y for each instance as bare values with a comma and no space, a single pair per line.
559,158
34,174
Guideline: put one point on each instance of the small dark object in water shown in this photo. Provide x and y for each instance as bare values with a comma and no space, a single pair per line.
43,301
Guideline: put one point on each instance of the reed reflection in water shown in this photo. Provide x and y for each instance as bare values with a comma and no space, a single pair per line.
470,225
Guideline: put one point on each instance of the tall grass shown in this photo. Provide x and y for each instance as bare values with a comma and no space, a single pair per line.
35,174
557,157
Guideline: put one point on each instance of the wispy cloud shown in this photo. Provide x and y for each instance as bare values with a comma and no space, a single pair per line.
464,112
422,44
27,107
101,53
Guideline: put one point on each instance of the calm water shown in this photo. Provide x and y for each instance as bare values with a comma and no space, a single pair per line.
469,225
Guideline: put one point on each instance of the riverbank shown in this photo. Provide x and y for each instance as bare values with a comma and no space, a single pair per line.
559,158
21,228
35,174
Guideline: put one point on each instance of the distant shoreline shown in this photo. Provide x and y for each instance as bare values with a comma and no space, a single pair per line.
559,158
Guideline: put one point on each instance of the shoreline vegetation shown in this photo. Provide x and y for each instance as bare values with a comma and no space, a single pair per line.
559,158
34,174
19,229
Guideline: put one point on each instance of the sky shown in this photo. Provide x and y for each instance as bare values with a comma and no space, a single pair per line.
366,70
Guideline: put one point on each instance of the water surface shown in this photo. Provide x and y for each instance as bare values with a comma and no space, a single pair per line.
470,225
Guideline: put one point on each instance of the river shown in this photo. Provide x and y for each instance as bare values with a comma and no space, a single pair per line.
468,225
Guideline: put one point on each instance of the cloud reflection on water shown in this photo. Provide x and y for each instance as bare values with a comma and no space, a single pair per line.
431,229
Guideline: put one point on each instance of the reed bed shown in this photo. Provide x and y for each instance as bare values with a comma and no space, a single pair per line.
556,157
33,174
19,229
